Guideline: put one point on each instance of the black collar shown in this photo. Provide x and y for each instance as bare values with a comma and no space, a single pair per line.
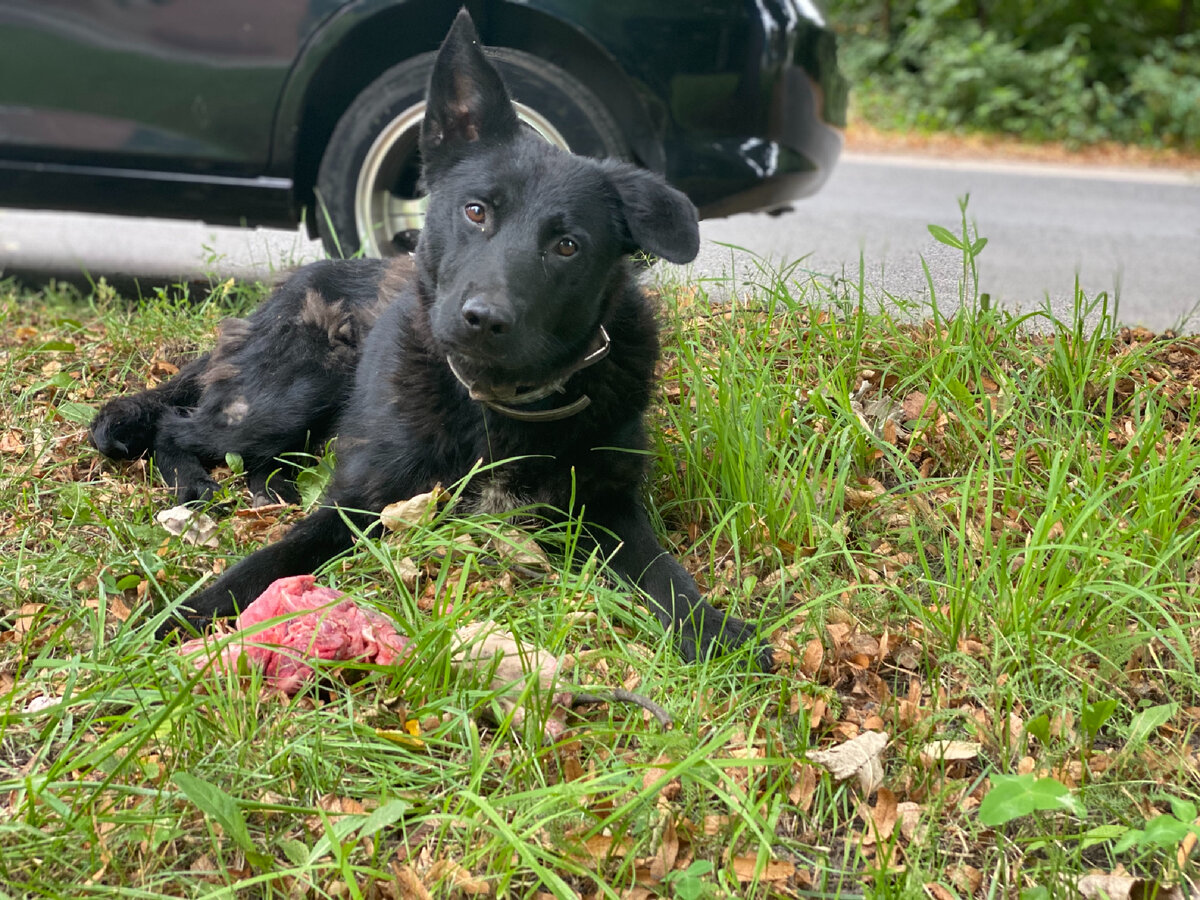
521,395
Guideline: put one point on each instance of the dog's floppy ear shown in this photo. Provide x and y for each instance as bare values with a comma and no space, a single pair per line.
659,219
467,101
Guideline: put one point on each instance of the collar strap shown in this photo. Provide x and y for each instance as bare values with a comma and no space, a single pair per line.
514,395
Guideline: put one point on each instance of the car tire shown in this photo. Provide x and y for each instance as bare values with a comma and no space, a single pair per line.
368,199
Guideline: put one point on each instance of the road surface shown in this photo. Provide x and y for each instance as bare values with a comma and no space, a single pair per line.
1132,233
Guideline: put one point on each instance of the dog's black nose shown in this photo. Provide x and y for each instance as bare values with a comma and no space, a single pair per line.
486,317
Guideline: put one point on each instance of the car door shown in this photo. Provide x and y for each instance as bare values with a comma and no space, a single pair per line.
171,85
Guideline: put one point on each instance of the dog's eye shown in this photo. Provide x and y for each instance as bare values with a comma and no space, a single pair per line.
566,247
475,212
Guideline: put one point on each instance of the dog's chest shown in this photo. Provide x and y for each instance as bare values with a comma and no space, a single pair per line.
498,496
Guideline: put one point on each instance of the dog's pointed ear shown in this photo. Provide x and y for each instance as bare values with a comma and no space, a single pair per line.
467,101
659,219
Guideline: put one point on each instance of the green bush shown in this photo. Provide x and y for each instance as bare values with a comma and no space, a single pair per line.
1164,88
935,67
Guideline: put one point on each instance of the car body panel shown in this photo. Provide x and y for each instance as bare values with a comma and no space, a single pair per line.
148,84
220,109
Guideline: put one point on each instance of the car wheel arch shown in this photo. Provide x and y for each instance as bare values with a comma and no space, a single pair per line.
385,32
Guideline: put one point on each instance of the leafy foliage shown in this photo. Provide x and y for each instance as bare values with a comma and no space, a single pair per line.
1013,796
1064,70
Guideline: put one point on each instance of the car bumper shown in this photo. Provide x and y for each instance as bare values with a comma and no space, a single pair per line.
765,173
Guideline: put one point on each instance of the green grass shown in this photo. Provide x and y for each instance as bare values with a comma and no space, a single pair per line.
977,529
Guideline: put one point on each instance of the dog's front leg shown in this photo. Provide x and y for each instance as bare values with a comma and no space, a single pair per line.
625,536
313,541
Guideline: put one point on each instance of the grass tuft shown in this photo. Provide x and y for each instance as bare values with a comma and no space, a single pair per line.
966,531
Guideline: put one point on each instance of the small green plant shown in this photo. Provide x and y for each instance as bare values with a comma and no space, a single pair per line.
691,883
1014,796
1093,717
1164,832
970,245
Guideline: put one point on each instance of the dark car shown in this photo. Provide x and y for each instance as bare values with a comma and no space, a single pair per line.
272,112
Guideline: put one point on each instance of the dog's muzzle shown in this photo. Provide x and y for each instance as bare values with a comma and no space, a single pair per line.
503,398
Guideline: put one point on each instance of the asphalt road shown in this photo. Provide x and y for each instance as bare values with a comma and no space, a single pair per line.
1132,233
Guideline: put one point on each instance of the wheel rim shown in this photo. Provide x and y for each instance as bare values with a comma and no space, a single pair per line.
388,210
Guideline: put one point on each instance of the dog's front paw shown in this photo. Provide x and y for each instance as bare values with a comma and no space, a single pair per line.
269,488
199,610
716,633
182,620
199,490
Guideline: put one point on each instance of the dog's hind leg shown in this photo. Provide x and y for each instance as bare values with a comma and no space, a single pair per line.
270,483
177,460
312,542
126,427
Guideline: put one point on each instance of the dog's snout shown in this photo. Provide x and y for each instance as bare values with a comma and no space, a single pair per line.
486,317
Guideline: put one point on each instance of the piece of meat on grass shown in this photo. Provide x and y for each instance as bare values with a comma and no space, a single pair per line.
316,624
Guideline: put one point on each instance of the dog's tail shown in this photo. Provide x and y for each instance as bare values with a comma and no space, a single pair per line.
125,427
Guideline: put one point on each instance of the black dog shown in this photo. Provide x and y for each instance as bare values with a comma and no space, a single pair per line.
522,338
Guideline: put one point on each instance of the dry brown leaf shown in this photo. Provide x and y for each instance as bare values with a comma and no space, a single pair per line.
814,655
1186,846
816,712
911,829
413,512
28,614
481,645
746,868
190,526
885,814
860,757
602,846
668,851
160,368
458,878
715,824
409,883
857,498
518,547
117,608
890,431
967,879
914,405
206,867
572,770
654,772
864,646
334,807
804,787
949,751
1124,887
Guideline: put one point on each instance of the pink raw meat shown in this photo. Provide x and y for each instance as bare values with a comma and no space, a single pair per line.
318,626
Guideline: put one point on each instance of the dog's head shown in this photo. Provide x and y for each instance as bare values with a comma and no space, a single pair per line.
523,244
